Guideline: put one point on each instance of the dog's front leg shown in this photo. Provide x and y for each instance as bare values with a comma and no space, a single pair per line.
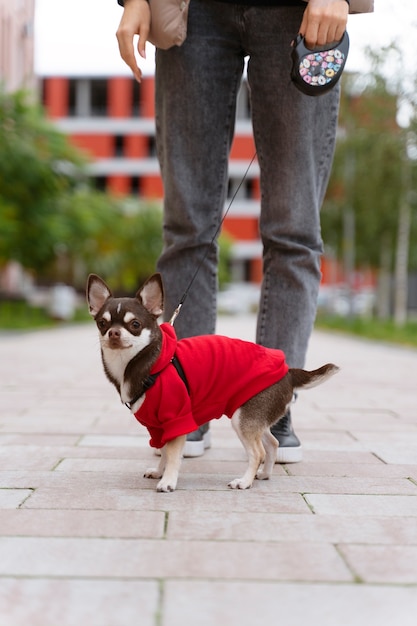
172,453
157,472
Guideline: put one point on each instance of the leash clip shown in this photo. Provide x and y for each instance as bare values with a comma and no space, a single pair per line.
175,314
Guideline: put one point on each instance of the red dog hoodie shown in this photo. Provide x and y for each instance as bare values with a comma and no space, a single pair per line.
222,374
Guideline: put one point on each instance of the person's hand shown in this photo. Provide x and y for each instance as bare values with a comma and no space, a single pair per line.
324,22
136,20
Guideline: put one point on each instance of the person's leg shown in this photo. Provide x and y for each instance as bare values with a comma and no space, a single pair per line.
295,137
196,91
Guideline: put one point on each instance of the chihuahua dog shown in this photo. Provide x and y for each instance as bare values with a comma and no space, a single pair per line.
172,387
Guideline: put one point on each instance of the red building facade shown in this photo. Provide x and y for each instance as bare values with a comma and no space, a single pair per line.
112,120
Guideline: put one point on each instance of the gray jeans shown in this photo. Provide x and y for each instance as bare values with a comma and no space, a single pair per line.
196,91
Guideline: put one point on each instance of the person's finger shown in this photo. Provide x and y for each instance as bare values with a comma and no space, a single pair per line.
143,37
125,42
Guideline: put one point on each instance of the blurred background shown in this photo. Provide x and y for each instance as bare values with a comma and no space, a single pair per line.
80,190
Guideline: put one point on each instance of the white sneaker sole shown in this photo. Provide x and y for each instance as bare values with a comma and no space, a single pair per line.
197,448
193,449
289,454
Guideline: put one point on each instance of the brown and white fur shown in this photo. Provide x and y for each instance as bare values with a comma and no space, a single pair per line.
130,341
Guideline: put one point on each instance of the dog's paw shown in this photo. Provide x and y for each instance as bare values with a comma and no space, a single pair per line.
152,472
261,475
165,487
239,483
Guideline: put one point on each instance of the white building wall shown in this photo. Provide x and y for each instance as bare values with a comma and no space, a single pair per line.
16,44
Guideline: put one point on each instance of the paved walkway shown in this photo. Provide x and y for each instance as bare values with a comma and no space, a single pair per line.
86,541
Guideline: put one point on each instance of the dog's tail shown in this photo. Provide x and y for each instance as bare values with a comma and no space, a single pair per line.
303,378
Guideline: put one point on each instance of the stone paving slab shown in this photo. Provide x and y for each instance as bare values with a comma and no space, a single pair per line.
382,564
281,527
145,498
54,602
82,523
353,470
146,559
85,539
336,504
297,605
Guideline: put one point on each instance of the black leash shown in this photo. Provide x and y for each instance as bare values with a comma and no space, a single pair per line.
185,294
150,380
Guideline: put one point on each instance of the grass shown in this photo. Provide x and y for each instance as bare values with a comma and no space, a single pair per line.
370,328
18,315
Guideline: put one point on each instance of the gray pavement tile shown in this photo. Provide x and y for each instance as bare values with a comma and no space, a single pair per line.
40,440
397,435
398,453
281,527
248,603
340,456
47,602
344,485
28,457
80,523
18,479
145,497
59,424
136,466
114,441
383,564
148,559
361,505
352,470
376,420
13,498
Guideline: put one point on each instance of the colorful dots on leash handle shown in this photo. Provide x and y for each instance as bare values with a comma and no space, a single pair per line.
316,71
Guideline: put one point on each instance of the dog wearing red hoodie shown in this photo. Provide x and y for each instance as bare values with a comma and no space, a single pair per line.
174,386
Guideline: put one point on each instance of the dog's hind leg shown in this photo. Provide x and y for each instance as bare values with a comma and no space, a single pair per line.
270,445
251,439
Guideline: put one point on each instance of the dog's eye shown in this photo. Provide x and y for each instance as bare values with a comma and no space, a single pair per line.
135,325
102,323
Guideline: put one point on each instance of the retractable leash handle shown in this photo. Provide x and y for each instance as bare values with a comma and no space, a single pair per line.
314,72
181,302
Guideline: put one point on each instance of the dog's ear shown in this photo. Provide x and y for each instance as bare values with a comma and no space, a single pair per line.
97,293
151,295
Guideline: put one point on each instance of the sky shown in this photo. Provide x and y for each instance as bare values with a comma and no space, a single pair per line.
78,37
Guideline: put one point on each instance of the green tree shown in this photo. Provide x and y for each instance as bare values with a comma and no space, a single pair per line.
54,223
367,186
37,166
118,238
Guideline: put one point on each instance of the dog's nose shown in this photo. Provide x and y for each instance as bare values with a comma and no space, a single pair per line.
114,333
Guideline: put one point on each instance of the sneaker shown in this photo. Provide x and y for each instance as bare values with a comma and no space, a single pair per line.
197,442
290,449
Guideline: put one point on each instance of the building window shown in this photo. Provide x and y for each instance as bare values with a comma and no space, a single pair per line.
78,97
72,97
152,147
100,182
135,185
119,145
98,97
135,99
244,192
